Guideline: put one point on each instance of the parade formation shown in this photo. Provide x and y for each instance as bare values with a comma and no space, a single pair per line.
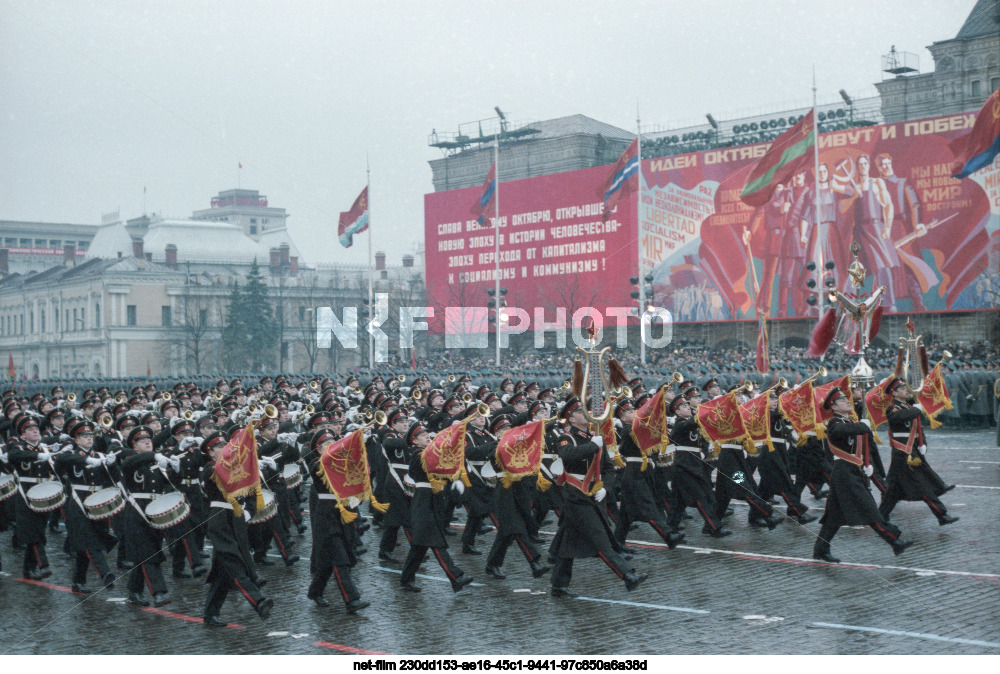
145,475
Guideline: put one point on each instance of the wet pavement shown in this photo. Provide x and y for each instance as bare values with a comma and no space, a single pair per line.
753,592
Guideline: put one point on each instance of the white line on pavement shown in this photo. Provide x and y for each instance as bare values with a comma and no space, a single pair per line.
974,486
660,607
915,635
424,575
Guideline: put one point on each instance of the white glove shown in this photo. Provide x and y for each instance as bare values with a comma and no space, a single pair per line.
65,438
919,407
3,458
269,462
869,470
598,440
618,423
161,460
922,449
188,442
458,486
866,422
288,438
43,456
601,493
246,515
110,459
175,463
93,461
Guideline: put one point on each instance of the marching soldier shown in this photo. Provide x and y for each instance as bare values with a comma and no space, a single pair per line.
775,477
31,463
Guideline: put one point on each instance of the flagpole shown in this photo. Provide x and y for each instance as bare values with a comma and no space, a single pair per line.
371,297
638,239
496,237
822,262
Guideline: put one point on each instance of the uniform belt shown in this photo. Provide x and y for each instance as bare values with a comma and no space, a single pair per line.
220,504
578,477
904,436
151,497
421,485
727,446
30,480
400,466
326,497
633,459
477,464
684,448
784,442
86,487
549,456
191,481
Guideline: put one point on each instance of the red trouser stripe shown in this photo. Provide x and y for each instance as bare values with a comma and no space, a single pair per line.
38,557
245,594
882,529
187,551
791,505
340,584
524,548
933,507
708,520
145,575
657,529
613,567
91,560
443,565
496,522
280,545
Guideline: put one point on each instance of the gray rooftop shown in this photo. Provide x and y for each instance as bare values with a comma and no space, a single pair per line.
983,21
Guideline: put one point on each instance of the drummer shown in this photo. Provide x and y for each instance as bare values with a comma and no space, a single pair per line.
143,543
30,462
85,473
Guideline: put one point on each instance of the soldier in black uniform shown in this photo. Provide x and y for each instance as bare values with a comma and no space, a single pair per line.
478,497
232,566
332,539
850,503
584,530
85,473
274,456
31,465
188,537
692,486
858,395
143,478
427,519
396,453
775,477
637,487
910,477
510,511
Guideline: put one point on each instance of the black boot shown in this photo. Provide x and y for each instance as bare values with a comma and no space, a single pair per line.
632,580
946,519
494,572
674,539
900,545
538,569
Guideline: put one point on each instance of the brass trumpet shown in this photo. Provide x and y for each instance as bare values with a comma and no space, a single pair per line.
106,421
188,415
467,398
309,409
482,410
166,396
71,397
376,419
401,378
119,399
314,385
781,383
566,385
416,394
270,411
676,378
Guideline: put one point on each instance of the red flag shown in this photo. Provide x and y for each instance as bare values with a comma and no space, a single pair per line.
353,221
444,459
649,429
933,396
619,184
763,360
877,401
756,415
978,148
10,364
236,472
821,392
790,153
484,205
720,420
240,164
799,407
148,371
519,452
345,472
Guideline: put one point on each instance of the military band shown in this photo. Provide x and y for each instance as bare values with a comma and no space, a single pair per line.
136,470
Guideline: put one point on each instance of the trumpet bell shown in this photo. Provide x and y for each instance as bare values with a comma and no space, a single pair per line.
188,415
71,397
166,396
106,421
270,411
467,398
380,418
309,409
314,385
401,378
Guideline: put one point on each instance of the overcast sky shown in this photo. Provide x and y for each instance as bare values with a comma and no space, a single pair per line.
99,99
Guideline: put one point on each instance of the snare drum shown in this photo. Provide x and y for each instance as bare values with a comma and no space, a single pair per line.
293,478
167,510
7,486
46,497
104,503
269,510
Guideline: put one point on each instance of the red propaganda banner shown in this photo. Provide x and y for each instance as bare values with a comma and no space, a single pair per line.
444,459
556,251
344,471
611,440
799,408
933,396
720,420
757,421
712,256
236,472
823,390
519,452
649,429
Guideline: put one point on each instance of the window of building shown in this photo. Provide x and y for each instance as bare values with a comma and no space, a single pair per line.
31,322
40,243
130,315
284,349
994,83
55,314
165,317
253,229
10,241
72,326
82,245
97,315
976,86
25,243
66,324
202,317
55,243
83,318
41,320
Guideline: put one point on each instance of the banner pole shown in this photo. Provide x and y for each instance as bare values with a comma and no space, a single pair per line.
819,243
496,241
638,239
371,296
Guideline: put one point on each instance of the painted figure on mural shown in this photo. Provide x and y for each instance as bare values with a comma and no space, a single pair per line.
816,212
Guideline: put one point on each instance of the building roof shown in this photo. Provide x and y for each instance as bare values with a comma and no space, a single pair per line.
202,241
983,21
273,238
575,125
109,241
